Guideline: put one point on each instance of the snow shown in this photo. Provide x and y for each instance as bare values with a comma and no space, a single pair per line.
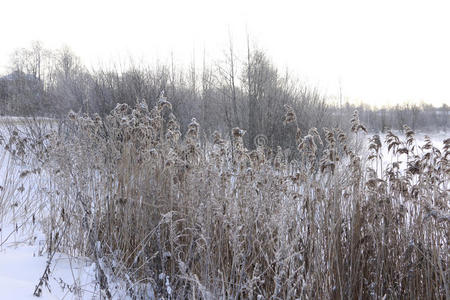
19,272
21,268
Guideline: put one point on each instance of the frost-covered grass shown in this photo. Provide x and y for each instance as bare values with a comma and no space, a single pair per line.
23,245
154,214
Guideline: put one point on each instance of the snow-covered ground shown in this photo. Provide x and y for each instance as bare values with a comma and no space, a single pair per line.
22,265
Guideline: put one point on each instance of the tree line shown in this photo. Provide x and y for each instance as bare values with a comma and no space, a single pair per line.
421,117
245,91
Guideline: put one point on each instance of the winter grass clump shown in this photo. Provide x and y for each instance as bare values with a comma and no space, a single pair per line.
162,211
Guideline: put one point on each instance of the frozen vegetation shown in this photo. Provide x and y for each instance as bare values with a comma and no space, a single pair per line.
127,207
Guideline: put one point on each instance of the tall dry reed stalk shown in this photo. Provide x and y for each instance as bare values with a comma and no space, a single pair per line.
216,221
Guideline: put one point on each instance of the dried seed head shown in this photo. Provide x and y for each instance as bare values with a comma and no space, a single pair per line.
290,116
72,116
193,129
217,139
314,133
237,132
277,163
375,144
298,136
97,118
172,124
142,106
121,108
163,103
356,124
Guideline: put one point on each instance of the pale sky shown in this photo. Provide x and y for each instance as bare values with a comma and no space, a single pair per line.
379,51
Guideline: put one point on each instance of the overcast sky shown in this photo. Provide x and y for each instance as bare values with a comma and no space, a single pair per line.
379,52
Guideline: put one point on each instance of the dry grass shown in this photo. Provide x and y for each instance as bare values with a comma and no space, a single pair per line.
216,221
